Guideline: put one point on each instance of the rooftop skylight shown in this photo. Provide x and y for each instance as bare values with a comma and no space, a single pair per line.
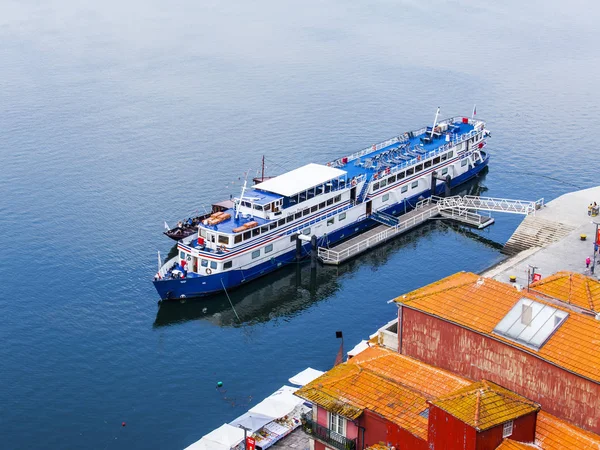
530,323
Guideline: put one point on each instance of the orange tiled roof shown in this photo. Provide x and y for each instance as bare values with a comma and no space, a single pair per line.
378,447
573,288
484,405
480,303
551,433
509,444
392,385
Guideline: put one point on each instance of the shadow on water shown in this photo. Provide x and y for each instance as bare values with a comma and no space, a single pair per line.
295,287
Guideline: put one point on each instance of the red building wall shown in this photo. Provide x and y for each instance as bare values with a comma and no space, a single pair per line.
477,357
378,429
523,431
446,432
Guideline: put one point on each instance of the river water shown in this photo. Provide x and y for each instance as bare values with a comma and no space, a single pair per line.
117,115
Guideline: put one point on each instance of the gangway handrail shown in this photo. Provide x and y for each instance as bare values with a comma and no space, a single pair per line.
507,205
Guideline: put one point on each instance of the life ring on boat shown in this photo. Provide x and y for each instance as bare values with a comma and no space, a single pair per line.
189,258
375,176
208,271
353,183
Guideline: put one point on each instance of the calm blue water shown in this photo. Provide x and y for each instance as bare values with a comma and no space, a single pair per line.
115,116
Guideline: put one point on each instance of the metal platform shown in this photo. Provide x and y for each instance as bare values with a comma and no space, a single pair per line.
456,208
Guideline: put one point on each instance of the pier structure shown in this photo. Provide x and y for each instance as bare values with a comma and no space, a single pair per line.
558,237
463,209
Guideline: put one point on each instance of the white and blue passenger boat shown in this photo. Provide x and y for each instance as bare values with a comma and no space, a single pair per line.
332,202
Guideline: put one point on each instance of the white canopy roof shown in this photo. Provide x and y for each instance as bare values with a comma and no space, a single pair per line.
300,179
279,403
362,345
223,438
253,421
305,377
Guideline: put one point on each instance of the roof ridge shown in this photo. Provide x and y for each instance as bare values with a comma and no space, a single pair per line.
439,288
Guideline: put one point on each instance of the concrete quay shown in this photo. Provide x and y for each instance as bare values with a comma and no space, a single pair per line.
550,240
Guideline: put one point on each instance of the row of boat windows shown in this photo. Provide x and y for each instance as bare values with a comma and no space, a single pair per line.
330,222
318,190
208,264
265,228
266,207
392,179
412,170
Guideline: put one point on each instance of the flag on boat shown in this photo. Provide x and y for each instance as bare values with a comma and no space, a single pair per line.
167,227
474,110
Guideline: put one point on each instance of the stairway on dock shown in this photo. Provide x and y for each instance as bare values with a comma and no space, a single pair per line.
535,231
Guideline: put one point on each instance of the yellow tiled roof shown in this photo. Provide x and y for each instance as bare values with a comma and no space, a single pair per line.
571,287
394,386
480,303
509,444
551,433
484,405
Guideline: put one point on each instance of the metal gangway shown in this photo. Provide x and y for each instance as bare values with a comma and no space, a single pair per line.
459,208
491,204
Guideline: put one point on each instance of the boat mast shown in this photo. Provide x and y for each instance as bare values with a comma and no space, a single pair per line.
262,178
435,121
237,207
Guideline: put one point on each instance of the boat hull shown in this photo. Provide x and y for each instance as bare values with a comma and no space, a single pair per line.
205,285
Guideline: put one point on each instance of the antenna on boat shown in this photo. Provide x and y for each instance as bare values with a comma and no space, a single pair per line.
237,208
437,113
262,178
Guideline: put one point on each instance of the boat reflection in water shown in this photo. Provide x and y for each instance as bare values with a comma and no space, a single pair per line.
296,287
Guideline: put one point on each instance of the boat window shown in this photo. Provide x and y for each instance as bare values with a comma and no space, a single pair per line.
400,175
321,205
227,265
385,198
375,186
383,183
298,215
306,231
255,254
223,239
269,248
272,226
237,239
337,198
267,207
444,171
289,218
444,157
427,164
181,255
314,208
391,179
330,221
404,188
302,196
258,207
204,263
450,154
342,216
247,204
306,212
293,199
410,171
418,168
281,222
311,193
247,235
213,264
436,160
330,202
464,162
264,228
414,184
202,232
255,231
319,190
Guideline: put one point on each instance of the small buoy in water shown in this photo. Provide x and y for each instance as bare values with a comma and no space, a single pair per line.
123,424
204,309
219,384
512,278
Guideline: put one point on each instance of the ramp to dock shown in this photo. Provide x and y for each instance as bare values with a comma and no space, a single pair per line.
456,208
